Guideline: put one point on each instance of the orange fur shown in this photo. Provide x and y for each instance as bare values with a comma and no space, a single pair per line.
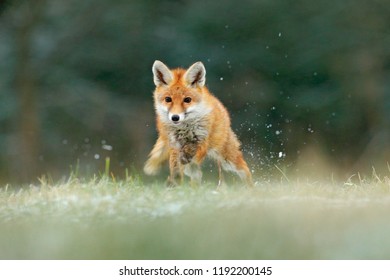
192,124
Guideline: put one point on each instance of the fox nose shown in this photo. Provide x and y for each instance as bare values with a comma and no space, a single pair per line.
175,118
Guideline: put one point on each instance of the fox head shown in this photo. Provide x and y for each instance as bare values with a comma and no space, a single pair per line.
180,94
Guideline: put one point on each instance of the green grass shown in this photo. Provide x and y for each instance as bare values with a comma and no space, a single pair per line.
107,219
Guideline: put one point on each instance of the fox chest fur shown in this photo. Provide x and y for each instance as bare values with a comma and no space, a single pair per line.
191,131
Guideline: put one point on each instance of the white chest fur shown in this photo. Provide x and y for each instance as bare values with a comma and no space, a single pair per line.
189,131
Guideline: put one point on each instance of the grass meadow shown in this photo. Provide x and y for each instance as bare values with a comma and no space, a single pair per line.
102,218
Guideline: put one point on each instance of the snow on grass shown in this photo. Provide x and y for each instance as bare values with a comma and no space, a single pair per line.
103,219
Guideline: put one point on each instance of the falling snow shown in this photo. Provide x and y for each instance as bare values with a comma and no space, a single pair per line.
281,155
107,147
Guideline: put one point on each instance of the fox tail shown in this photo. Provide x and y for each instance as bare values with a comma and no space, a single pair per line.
157,156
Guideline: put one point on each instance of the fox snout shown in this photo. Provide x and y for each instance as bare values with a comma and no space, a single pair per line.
176,118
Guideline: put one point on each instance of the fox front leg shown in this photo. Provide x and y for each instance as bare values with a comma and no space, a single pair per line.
187,152
175,169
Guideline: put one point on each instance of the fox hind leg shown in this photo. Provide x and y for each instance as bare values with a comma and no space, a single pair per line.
240,167
220,174
244,172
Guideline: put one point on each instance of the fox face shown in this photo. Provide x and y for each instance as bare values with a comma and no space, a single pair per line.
178,96
176,105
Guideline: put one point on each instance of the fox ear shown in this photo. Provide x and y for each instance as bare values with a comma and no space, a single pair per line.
195,75
161,74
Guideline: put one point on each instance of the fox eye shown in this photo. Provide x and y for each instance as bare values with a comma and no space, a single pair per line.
168,99
187,99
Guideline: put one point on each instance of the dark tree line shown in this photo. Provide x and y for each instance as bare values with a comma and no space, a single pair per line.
297,76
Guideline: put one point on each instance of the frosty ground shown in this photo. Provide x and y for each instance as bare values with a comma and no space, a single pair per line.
107,219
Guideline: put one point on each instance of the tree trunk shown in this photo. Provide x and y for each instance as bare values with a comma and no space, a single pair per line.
26,164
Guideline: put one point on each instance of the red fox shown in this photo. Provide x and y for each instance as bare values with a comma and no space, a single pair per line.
192,124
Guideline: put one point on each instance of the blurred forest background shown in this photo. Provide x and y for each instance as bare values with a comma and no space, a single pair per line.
307,82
